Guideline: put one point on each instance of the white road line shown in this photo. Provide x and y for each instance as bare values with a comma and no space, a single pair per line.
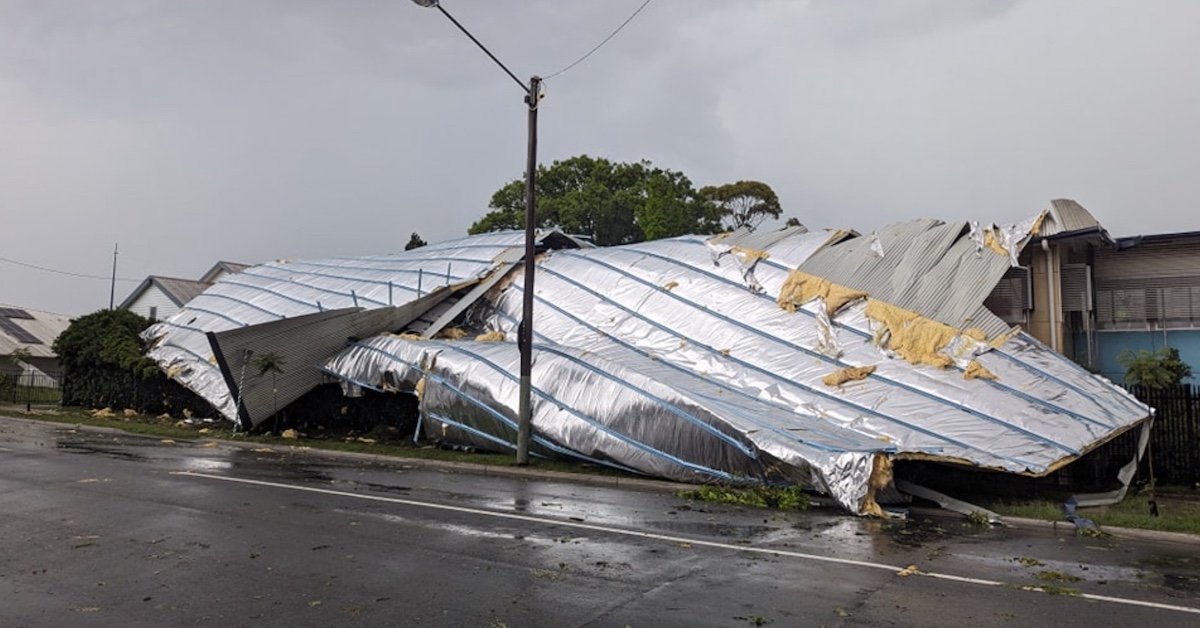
678,539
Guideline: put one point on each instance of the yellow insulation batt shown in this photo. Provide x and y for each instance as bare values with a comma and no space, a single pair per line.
915,338
881,477
976,334
1037,226
801,287
975,370
848,374
990,241
491,336
453,333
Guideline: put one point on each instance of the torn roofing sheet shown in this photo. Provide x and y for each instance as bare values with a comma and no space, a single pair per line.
812,357
814,373
286,289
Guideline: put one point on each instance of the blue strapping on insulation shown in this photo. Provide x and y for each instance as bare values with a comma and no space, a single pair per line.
382,282
587,419
475,402
599,426
796,384
318,288
775,429
312,304
540,441
192,307
827,359
687,416
214,295
863,334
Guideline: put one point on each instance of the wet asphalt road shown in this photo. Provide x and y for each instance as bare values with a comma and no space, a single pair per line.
100,529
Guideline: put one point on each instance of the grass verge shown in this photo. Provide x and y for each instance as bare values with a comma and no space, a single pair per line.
1178,511
380,442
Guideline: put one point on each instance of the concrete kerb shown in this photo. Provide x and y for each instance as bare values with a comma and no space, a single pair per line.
642,484
530,472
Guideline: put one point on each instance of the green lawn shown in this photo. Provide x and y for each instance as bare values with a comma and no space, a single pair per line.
1178,511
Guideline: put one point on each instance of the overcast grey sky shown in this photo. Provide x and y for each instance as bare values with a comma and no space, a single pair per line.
250,130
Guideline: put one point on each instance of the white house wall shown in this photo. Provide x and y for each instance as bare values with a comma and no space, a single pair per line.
153,297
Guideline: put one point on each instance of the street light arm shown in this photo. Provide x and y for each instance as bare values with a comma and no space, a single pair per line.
438,6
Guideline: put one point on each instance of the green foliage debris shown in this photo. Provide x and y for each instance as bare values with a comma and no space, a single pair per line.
778,497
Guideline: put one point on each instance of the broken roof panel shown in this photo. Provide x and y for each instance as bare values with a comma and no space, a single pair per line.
284,289
665,311
811,357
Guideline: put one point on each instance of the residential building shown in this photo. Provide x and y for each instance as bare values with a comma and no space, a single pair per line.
26,342
159,298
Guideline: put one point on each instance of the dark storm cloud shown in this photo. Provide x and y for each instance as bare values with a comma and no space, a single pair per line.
191,131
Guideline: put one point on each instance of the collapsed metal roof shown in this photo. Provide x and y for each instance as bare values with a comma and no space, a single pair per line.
787,356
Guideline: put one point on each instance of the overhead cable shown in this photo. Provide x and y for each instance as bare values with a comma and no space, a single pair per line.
602,42
64,272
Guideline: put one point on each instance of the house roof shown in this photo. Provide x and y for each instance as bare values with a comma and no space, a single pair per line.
1067,218
222,266
30,330
179,291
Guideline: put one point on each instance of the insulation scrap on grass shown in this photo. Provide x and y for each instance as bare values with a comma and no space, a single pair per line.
631,374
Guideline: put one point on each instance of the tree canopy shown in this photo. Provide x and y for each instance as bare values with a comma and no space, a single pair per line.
610,202
107,338
102,365
415,241
744,204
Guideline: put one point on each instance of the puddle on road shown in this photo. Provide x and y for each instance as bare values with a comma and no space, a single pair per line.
1181,582
1179,573
88,448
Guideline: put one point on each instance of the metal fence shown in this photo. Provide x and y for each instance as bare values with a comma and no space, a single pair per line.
1174,454
30,387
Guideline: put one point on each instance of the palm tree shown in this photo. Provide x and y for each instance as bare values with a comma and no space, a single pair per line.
271,363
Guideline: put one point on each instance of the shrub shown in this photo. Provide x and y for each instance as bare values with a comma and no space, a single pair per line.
1154,369
103,366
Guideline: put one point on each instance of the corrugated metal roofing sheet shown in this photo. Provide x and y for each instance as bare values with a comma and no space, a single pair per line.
675,357
926,266
284,289
1065,216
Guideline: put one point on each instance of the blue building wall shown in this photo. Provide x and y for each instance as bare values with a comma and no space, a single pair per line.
1110,344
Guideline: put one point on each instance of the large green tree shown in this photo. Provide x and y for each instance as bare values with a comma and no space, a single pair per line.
745,203
610,202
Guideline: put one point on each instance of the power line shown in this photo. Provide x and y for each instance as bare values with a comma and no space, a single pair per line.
65,272
602,42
